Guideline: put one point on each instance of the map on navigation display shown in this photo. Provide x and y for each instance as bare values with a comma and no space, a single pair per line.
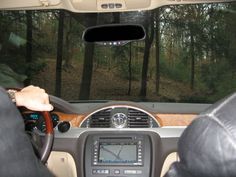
117,153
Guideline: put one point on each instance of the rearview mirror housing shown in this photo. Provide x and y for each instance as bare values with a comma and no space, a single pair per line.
114,34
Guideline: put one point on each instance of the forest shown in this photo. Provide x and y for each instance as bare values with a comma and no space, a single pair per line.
188,54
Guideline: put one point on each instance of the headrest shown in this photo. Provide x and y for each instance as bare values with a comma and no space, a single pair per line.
207,148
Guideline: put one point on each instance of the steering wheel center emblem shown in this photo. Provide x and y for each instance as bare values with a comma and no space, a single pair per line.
119,120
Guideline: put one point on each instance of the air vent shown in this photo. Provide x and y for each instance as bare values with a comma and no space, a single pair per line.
101,119
137,119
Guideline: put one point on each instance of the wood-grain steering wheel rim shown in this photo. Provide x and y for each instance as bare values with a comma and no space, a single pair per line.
48,139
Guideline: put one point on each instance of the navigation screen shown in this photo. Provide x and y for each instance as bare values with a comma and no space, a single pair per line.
117,152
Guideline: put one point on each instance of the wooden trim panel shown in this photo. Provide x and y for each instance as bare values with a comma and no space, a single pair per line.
163,119
175,119
74,119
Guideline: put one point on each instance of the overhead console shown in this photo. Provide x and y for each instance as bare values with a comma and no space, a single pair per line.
88,6
110,5
108,155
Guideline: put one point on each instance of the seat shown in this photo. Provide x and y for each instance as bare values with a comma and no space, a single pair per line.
207,148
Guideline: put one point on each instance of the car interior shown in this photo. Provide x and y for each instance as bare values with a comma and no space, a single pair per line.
92,132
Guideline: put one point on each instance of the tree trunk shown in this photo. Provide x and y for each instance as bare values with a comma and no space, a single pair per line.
157,52
192,58
29,37
68,51
130,68
59,53
87,72
88,64
148,44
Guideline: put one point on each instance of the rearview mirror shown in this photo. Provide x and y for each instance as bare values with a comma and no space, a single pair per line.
114,34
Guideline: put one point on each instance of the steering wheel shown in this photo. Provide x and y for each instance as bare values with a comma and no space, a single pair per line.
44,150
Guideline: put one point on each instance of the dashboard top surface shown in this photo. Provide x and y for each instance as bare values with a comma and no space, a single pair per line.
164,114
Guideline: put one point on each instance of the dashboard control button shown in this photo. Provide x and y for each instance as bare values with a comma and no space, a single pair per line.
116,171
139,172
100,171
94,171
106,171
130,172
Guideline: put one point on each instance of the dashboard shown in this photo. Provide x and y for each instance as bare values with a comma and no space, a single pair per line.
114,116
105,115
111,139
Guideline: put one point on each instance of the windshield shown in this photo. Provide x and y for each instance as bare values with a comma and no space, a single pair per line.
188,54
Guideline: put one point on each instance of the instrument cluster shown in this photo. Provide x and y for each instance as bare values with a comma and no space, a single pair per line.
35,120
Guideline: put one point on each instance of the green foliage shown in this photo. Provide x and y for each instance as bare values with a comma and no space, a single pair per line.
204,32
135,70
178,72
122,56
34,68
217,79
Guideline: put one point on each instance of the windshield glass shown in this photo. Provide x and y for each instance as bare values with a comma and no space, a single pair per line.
188,54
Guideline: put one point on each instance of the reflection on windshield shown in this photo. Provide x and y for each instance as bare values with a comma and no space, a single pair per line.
188,54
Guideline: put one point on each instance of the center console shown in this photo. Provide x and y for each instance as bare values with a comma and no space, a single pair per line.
121,155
